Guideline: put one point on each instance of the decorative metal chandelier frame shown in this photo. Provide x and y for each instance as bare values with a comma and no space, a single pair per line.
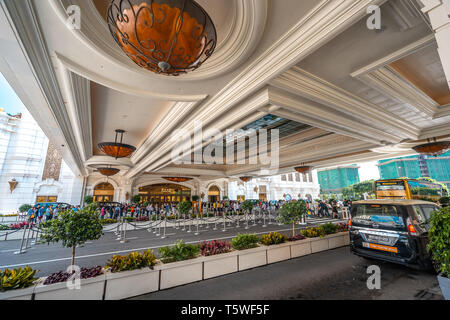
167,37
108,171
433,147
117,149
177,179
304,168
246,178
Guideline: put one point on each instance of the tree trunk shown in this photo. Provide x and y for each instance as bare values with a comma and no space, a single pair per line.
293,229
73,254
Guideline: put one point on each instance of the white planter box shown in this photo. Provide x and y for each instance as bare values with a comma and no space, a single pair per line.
252,258
214,266
19,294
280,252
179,273
300,248
336,241
133,283
346,238
319,244
90,289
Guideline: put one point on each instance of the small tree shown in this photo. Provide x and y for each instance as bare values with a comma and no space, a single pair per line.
292,212
247,205
88,199
136,199
195,198
24,208
184,207
73,228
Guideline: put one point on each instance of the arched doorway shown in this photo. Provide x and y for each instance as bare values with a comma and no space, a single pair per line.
162,193
213,194
104,192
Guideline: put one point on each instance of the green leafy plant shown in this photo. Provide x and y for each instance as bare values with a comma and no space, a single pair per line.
88,199
439,235
133,261
444,200
247,205
184,207
4,227
195,198
179,252
73,228
24,208
313,232
272,238
136,199
19,278
108,221
291,212
329,228
245,241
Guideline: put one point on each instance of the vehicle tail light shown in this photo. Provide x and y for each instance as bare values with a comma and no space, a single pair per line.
412,231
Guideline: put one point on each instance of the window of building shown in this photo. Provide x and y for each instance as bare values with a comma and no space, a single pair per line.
290,177
297,177
283,178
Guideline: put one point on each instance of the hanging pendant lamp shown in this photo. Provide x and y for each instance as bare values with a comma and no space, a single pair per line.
117,149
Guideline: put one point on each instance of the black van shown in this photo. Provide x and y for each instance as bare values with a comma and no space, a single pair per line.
392,230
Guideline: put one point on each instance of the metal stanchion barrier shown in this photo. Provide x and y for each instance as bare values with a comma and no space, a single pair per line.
254,218
215,220
190,223
164,229
28,238
124,228
197,233
264,220
158,233
21,250
224,222
238,220
303,220
246,221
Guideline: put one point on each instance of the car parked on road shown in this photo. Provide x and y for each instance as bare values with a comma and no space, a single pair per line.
392,230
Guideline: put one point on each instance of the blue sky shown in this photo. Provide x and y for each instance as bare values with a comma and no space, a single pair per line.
8,98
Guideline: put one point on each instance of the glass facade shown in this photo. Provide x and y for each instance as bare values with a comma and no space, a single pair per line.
438,167
333,180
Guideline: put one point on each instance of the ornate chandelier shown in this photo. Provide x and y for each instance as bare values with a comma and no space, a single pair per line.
246,179
434,148
108,172
117,149
303,168
177,179
168,37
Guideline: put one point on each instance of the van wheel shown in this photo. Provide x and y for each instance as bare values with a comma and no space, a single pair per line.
428,265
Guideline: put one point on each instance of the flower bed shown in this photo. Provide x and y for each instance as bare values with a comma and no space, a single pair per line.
215,247
4,227
17,226
85,273
108,221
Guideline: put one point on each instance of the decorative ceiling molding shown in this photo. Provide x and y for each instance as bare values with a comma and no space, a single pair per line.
247,28
387,81
396,55
76,68
22,17
96,161
440,131
307,85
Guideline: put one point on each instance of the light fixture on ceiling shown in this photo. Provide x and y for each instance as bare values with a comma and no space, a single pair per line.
303,168
177,179
168,37
433,147
108,171
117,149
246,178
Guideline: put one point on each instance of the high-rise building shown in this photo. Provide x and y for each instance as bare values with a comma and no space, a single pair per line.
332,180
417,166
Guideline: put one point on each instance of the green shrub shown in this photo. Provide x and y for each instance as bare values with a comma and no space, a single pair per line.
291,212
130,219
88,199
4,227
179,252
313,232
184,207
24,208
136,199
273,238
247,205
195,198
329,228
439,235
444,200
133,261
17,279
108,221
245,241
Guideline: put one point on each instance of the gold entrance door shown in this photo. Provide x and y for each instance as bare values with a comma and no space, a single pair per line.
104,192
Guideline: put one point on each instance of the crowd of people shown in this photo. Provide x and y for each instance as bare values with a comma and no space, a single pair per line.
46,212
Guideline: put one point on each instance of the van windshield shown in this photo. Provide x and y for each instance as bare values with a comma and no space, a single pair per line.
379,214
